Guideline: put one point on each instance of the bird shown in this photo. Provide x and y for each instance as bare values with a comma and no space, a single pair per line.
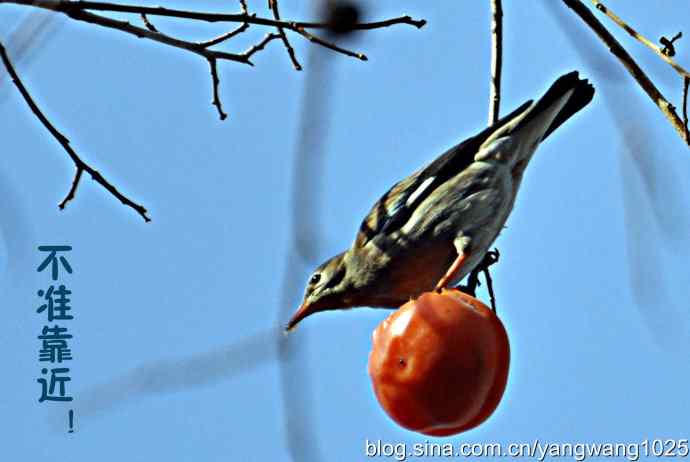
431,229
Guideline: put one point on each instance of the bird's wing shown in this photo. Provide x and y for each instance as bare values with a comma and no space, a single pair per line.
395,207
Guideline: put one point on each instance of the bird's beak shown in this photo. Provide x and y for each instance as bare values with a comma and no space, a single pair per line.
302,312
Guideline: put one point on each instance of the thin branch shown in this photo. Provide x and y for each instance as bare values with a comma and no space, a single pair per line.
686,84
641,38
79,10
496,60
73,189
155,36
223,37
260,46
273,6
629,63
198,48
214,71
418,23
331,46
228,35
148,24
216,81
64,142
66,6
214,41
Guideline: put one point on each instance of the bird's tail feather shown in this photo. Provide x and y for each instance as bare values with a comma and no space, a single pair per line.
581,94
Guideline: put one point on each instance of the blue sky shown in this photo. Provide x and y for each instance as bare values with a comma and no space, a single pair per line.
176,320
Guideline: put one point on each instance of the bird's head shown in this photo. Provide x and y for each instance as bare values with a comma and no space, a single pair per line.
329,288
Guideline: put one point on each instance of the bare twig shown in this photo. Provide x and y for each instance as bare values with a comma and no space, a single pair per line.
496,60
216,81
73,189
273,6
642,39
638,74
148,24
686,84
228,35
214,71
64,142
491,257
260,46
80,10
140,32
65,6
211,55
313,38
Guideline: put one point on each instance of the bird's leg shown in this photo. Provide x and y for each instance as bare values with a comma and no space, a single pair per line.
490,258
472,284
452,272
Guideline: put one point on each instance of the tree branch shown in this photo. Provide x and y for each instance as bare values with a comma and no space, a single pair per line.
139,32
260,46
332,46
73,189
148,24
79,10
629,63
216,81
641,38
82,11
227,36
496,60
64,142
273,6
686,84
67,6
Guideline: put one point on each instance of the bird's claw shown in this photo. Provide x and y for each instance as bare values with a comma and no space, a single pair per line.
490,258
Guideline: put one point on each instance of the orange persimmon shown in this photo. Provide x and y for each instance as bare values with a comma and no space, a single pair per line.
439,364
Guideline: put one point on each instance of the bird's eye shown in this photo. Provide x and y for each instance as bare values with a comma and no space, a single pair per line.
315,278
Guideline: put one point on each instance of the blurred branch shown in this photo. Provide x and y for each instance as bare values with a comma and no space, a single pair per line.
496,59
633,68
80,165
305,236
21,42
170,375
645,267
